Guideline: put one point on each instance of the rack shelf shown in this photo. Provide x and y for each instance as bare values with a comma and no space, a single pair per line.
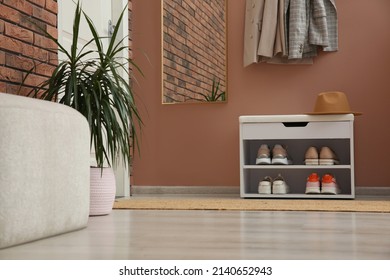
297,133
284,167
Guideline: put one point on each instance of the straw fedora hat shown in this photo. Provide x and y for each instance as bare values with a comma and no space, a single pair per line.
332,102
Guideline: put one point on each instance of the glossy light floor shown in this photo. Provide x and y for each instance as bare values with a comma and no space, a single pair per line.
146,234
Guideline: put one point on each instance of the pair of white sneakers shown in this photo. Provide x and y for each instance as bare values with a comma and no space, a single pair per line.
273,186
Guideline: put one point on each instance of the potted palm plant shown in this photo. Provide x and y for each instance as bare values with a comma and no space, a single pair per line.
90,81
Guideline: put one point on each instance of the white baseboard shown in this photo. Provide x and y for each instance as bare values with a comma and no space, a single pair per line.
364,191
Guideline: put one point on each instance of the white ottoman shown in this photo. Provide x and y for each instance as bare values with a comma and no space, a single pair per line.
44,169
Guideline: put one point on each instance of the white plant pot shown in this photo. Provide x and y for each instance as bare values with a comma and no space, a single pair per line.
102,193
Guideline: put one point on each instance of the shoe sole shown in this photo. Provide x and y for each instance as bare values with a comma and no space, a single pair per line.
263,161
311,161
281,161
329,189
328,161
312,190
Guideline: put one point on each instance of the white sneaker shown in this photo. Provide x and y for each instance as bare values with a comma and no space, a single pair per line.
279,186
265,185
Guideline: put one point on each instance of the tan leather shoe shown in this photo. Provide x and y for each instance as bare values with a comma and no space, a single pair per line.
328,157
311,156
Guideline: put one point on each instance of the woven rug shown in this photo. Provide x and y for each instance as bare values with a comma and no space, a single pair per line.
382,206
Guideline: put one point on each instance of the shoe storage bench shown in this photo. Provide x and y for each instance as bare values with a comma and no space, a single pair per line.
297,133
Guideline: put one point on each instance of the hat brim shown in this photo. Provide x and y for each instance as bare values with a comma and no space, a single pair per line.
334,113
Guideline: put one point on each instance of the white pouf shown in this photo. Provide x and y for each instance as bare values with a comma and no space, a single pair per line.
44,169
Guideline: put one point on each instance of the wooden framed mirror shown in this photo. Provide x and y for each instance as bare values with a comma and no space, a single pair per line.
194,52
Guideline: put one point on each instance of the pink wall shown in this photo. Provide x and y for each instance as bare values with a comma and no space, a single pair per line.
197,144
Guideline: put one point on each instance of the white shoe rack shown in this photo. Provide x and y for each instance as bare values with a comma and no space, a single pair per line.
297,133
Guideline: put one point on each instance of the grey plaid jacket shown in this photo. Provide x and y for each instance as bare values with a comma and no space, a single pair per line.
311,23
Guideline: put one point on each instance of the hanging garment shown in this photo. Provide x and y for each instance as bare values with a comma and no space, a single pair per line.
289,31
268,29
281,41
298,27
253,21
280,47
332,26
311,23
264,35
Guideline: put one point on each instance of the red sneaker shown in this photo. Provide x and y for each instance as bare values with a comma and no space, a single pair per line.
313,184
329,185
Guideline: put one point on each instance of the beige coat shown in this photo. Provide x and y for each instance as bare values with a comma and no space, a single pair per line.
253,20
261,27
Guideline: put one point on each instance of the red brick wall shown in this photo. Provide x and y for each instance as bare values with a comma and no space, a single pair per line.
22,44
194,47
